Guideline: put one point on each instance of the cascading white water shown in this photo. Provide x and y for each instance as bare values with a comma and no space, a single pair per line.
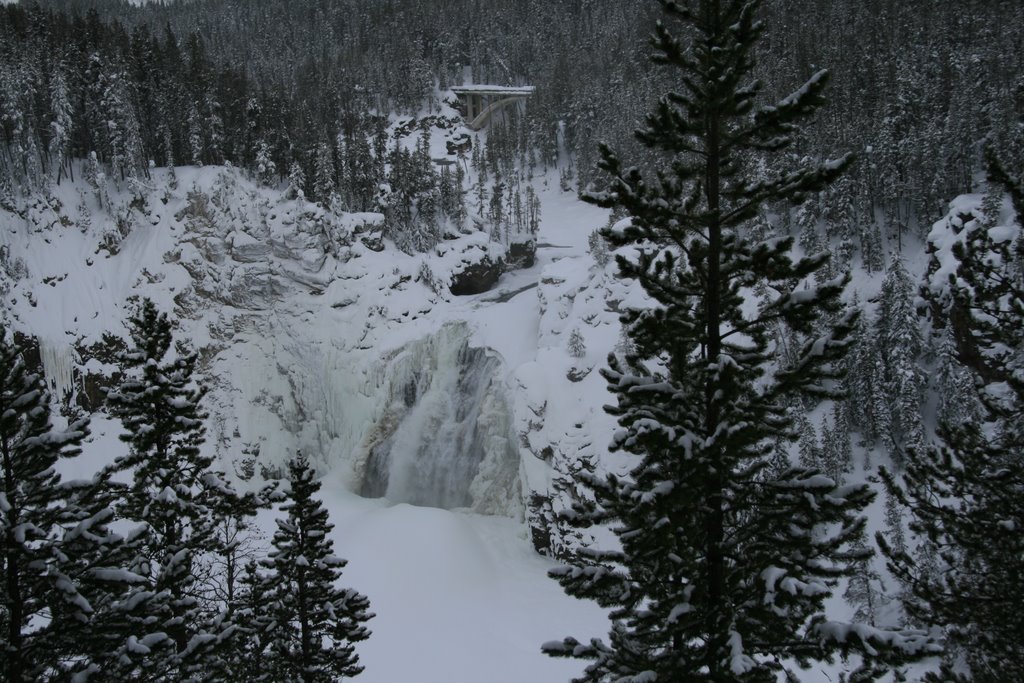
429,423
446,440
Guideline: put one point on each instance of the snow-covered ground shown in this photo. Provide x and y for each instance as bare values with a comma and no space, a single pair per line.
460,597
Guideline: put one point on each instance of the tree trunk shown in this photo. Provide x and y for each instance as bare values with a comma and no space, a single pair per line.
714,522
305,635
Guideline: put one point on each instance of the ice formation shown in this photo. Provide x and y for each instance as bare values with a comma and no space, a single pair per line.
445,439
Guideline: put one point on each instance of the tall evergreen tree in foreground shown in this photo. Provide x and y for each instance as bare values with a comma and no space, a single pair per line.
62,567
34,509
308,624
177,496
966,495
724,567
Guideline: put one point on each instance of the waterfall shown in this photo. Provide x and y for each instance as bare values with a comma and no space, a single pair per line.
58,367
446,438
428,423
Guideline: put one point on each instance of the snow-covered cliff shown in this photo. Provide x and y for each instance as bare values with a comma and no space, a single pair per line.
313,340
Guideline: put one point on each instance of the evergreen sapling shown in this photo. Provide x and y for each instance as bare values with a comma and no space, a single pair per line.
309,625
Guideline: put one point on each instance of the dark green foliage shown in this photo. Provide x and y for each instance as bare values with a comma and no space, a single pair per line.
966,495
304,626
865,592
953,384
836,452
917,89
899,345
323,179
63,574
1005,153
247,652
598,248
35,514
725,565
177,497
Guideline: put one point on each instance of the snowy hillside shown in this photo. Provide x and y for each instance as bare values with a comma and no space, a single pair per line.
312,341
420,409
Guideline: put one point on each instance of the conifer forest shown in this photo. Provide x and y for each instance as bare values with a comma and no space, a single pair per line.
451,341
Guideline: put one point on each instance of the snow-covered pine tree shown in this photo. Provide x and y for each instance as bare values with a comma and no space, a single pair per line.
61,124
576,346
900,345
99,562
449,194
722,572
266,169
363,173
894,534
323,174
84,220
32,161
553,534
872,252
954,386
809,236
598,249
865,592
126,157
532,211
174,493
310,624
830,455
426,231
459,215
841,436
1006,162
880,405
836,454
496,211
966,495
97,179
164,134
247,653
214,126
992,204
14,118
808,446
296,181
196,145
841,214
32,507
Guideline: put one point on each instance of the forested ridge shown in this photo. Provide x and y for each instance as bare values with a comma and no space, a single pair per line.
916,88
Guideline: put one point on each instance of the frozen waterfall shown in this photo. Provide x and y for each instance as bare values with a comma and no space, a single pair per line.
58,367
446,438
